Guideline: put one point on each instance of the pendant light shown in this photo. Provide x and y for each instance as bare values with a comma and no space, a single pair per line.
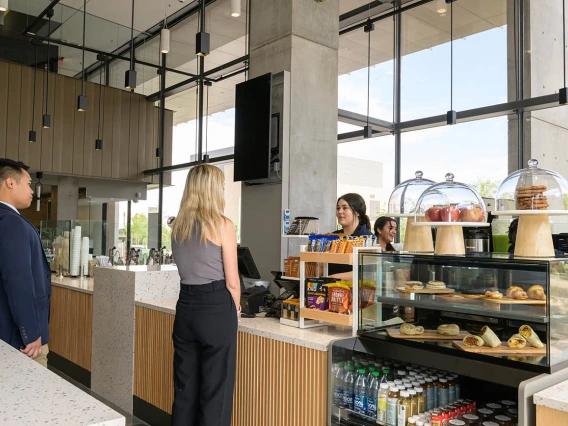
202,39
235,8
82,99
38,189
99,141
452,115
46,119
165,33
130,76
3,5
563,93
33,135
368,28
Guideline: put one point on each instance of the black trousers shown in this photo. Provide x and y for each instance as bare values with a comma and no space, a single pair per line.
205,342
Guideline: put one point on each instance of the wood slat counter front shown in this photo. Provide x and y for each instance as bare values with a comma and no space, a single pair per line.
282,372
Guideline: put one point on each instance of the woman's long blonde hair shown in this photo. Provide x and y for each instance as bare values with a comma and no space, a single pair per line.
203,204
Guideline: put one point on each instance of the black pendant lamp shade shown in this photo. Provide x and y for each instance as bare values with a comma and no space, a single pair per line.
98,145
130,75
99,141
82,98
202,39
452,116
32,134
563,93
46,119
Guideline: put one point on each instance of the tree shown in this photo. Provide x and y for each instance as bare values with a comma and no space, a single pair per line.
139,229
167,238
485,187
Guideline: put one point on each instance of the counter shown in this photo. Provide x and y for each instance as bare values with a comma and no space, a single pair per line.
552,405
32,395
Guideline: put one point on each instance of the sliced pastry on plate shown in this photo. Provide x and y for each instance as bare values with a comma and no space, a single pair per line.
472,341
517,342
489,337
528,333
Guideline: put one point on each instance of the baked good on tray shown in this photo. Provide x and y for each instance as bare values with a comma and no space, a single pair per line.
536,292
532,197
472,341
516,292
517,341
528,333
493,295
435,285
449,330
489,337
411,329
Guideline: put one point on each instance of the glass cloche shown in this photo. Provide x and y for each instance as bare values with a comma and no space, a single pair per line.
451,201
405,196
532,189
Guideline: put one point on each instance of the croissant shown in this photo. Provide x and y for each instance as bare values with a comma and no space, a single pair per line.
511,289
536,292
519,295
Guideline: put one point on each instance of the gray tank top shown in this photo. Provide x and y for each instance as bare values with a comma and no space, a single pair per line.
198,263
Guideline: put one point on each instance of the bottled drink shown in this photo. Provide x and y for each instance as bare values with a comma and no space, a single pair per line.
451,389
392,406
443,392
386,375
349,387
338,385
360,404
370,370
436,402
373,395
403,409
382,404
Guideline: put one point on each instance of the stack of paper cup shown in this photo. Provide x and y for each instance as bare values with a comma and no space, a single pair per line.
85,255
75,251
65,251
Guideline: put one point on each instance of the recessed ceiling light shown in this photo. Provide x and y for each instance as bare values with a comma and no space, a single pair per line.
440,11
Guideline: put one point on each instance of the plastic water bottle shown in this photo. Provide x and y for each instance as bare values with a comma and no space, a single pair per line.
370,370
386,375
338,385
373,395
360,403
349,388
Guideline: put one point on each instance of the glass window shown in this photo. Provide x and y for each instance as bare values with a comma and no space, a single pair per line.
366,167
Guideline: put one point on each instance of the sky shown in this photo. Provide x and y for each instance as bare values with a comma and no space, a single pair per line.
472,151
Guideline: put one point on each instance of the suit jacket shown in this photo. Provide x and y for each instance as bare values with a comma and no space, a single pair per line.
25,281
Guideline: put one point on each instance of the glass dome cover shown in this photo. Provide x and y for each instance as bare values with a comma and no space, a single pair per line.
451,201
532,189
405,196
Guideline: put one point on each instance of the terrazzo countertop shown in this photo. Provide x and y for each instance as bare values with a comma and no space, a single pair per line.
317,338
555,397
32,395
84,285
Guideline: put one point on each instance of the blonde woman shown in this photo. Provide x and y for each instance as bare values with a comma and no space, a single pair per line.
204,244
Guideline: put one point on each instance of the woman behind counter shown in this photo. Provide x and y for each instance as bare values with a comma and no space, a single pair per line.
385,231
351,213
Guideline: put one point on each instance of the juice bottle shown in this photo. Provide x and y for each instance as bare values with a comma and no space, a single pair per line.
413,402
392,406
401,374
382,404
443,392
458,386
403,409
421,400
451,389
411,421
429,393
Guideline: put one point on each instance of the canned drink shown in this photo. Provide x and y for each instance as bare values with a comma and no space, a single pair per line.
435,418
445,414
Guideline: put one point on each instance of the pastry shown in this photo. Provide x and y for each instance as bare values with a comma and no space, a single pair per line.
472,341
449,330
489,337
414,285
493,295
515,292
411,329
511,289
536,292
517,341
528,333
435,285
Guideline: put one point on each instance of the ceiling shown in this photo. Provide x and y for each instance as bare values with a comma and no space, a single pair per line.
108,28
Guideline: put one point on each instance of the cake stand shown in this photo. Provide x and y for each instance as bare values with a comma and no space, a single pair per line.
416,238
449,239
534,236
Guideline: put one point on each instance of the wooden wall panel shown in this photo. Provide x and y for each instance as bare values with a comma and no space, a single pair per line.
47,134
58,125
4,78
91,116
26,100
71,325
107,132
79,132
69,111
34,150
116,133
143,106
96,155
133,138
295,393
546,416
124,133
13,117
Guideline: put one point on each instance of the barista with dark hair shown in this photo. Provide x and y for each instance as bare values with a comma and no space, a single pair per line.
351,212
385,231
513,238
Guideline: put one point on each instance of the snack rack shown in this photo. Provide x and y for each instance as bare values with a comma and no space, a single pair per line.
326,317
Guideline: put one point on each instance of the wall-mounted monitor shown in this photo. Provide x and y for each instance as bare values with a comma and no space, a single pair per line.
253,122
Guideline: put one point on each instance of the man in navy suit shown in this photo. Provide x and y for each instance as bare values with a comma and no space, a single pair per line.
25,276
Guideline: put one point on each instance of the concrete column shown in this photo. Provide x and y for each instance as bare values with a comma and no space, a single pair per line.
302,37
67,198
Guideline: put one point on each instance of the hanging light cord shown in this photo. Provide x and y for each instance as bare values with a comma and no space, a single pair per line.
100,96
84,31
452,56
368,76
132,39
48,55
564,38
207,122
33,99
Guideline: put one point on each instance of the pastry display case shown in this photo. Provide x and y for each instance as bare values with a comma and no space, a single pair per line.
533,195
450,206
402,204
